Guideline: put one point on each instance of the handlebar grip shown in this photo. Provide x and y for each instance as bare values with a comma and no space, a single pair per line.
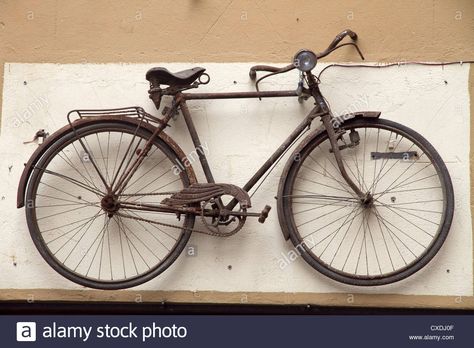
352,34
267,68
252,74
341,36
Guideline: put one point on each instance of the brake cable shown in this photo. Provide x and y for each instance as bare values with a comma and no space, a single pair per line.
388,65
283,70
292,66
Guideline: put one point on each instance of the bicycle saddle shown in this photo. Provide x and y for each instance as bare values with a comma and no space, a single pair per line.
165,77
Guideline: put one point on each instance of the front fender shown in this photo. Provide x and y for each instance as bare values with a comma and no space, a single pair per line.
336,122
39,152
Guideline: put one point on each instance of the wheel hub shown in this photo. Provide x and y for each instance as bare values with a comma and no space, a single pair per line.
367,201
110,204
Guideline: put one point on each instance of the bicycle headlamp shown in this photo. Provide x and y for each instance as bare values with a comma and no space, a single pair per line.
305,60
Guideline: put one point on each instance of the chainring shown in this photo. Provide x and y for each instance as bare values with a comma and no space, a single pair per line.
224,218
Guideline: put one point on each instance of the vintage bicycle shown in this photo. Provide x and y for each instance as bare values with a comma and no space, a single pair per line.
111,199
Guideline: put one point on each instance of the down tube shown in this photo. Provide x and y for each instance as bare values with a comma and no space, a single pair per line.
276,155
279,152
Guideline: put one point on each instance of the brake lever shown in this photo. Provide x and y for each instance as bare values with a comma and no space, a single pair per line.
303,93
358,50
299,89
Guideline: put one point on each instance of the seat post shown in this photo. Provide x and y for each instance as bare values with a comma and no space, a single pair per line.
155,92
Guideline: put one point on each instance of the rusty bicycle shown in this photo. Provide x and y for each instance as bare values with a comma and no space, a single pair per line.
111,201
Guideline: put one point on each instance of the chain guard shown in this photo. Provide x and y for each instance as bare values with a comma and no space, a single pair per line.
203,192
208,194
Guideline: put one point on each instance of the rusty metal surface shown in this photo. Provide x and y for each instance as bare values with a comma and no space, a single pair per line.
240,95
221,207
199,192
206,200
187,199
160,75
127,175
299,148
179,82
50,140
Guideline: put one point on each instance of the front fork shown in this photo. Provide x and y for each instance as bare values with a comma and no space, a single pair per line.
326,118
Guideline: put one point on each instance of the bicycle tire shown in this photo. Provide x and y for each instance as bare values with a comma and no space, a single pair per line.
35,232
287,219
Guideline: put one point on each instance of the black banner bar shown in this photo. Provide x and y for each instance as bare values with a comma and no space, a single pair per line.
237,331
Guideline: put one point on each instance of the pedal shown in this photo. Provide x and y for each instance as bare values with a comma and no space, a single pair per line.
264,214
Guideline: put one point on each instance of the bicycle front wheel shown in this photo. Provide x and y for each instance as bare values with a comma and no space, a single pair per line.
381,240
82,231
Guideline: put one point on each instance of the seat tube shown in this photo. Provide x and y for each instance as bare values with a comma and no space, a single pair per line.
195,138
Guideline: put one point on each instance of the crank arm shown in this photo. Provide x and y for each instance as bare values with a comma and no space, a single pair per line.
160,208
238,213
262,216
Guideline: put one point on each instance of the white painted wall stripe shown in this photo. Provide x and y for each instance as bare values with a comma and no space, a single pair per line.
241,134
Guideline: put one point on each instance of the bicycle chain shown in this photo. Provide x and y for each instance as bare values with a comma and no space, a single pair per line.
148,194
208,232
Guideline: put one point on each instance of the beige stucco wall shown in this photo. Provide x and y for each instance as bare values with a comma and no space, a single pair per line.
214,30
234,31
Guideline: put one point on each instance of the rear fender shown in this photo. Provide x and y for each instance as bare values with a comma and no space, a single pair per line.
29,166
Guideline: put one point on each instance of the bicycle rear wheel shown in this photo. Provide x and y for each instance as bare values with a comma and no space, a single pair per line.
376,242
80,234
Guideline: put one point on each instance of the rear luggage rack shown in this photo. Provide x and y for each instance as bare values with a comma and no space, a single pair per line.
132,111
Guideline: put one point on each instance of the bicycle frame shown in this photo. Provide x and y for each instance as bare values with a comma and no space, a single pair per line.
344,235
321,109
181,101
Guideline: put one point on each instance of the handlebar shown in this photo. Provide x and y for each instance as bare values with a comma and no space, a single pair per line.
332,46
336,41
268,68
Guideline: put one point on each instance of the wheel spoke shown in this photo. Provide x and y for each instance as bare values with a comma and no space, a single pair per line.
321,216
62,212
385,222
100,234
403,210
71,164
320,184
92,160
124,159
341,183
370,240
66,193
72,181
389,187
81,224
81,159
